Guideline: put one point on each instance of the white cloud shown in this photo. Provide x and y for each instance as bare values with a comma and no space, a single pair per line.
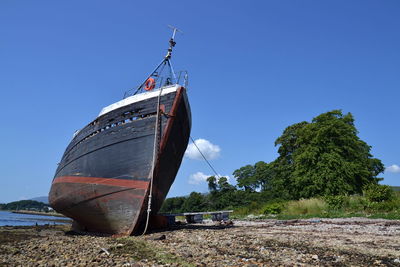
209,150
199,177
393,168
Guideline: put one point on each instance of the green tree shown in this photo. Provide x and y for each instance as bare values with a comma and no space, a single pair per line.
378,193
212,184
173,205
252,178
224,186
195,202
283,166
324,157
263,175
245,177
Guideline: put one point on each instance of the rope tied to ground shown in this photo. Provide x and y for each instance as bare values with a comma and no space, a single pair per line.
155,153
204,157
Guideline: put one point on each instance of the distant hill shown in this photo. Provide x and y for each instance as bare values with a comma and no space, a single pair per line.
396,188
43,199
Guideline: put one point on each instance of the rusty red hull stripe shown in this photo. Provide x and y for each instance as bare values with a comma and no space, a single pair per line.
103,181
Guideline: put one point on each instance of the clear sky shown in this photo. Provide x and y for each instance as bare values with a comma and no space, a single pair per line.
255,68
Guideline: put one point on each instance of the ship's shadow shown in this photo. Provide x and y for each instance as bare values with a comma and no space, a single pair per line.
168,229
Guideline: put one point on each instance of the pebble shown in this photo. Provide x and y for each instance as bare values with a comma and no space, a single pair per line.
255,243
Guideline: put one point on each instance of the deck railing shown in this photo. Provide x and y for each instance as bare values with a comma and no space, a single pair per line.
161,81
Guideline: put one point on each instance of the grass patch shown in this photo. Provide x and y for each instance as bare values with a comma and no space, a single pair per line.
327,207
388,215
141,250
312,206
253,208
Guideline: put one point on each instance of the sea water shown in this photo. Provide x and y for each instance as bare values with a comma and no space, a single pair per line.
17,219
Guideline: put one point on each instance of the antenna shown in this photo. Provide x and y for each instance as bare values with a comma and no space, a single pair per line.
174,31
172,42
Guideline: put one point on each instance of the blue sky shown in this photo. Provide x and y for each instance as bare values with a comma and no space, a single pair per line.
255,67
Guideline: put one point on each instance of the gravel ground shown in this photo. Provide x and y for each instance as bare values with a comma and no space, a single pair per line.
313,242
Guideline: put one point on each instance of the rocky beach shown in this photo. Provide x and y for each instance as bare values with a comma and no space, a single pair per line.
312,242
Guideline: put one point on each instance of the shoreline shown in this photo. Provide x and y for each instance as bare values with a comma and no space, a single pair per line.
270,242
41,213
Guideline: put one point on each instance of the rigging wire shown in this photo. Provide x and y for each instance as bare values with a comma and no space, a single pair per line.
140,87
209,164
161,70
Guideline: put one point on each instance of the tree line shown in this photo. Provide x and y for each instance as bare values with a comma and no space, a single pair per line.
25,205
324,157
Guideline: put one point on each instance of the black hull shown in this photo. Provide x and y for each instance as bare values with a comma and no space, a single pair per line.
102,181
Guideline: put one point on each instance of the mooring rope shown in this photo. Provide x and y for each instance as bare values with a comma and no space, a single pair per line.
155,153
204,157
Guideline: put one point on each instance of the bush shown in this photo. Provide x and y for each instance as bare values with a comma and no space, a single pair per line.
383,206
312,206
336,202
356,203
378,193
253,208
273,208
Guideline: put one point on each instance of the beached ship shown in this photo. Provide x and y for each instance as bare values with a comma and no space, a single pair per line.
117,171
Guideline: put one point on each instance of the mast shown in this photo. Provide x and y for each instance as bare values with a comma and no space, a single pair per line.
165,62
